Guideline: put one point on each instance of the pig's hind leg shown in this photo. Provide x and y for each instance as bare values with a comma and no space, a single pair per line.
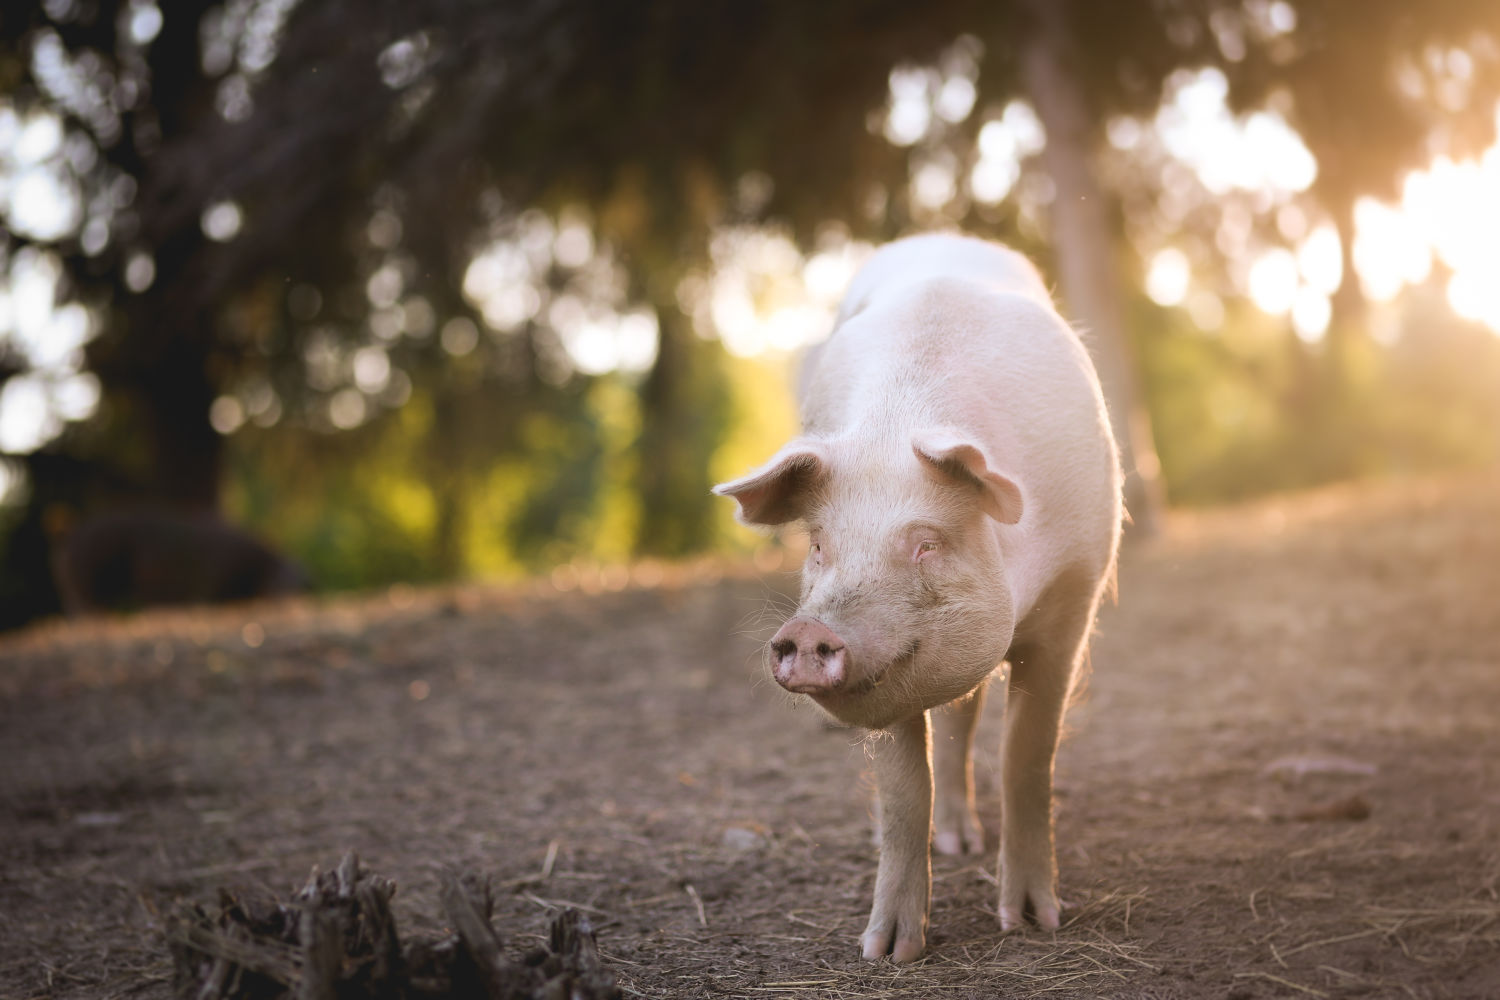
1041,678
955,821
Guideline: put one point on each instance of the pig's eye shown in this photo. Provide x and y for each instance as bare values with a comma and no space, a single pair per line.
925,546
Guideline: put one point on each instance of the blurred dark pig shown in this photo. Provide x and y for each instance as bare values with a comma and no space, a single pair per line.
135,558
961,491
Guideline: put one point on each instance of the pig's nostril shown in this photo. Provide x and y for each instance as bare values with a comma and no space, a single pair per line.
824,650
783,648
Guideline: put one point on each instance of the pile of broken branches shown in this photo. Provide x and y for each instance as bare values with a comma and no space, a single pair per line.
337,939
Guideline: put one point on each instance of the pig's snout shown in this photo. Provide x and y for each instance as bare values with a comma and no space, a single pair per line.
808,657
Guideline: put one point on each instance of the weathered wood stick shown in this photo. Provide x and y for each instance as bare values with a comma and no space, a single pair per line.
479,938
322,935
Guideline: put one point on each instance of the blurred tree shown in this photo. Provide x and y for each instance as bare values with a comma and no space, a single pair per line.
283,202
1056,70
240,150
1376,89
251,144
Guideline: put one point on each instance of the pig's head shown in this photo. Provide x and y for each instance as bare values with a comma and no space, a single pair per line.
904,602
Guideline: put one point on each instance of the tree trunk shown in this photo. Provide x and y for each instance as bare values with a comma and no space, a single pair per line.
446,469
1085,249
682,413
186,452
1346,324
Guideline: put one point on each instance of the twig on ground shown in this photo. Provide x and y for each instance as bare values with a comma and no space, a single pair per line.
1284,982
698,902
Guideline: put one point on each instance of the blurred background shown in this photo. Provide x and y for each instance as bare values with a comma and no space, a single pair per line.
338,293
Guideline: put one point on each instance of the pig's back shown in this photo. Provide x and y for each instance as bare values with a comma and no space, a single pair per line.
952,351
917,259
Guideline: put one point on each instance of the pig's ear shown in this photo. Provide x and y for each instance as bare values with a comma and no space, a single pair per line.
950,454
779,491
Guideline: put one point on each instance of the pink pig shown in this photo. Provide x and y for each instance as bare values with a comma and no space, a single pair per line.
961,489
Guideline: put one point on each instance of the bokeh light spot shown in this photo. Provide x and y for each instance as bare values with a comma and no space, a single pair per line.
226,414
1168,277
145,22
459,336
347,409
1273,281
140,271
221,221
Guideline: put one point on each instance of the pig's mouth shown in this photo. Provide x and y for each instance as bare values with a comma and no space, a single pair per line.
869,682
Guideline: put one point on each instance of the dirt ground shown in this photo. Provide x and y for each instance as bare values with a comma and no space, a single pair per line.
1271,674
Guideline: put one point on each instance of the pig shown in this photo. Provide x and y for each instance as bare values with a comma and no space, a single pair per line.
959,485
129,559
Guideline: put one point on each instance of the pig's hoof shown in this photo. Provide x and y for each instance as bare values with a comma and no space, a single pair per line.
967,838
895,938
1040,902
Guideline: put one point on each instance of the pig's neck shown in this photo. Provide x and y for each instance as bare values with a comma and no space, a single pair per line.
1020,565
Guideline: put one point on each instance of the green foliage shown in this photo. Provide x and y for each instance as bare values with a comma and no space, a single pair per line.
363,508
1250,409
354,517
684,410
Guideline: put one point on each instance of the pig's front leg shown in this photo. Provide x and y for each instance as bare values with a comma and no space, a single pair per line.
903,883
955,822
1041,677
